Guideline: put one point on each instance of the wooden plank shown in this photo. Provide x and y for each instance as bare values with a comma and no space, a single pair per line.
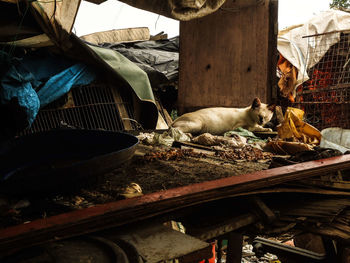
271,190
167,116
165,113
158,243
139,208
32,42
330,231
234,248
272,51
162,121
262,209
118,35
10,1
342,227
193,145
124,116
214,231
318,208
224,57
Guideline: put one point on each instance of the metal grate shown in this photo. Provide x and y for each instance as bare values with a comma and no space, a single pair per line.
325,97
95,106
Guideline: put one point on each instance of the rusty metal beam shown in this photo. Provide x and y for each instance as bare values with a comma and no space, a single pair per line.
139,208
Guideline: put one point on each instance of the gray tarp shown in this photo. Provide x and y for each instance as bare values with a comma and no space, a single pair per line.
159,59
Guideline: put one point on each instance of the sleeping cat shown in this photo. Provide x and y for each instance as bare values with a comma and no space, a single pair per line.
220,120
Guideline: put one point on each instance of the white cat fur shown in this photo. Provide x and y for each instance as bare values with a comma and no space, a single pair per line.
220,120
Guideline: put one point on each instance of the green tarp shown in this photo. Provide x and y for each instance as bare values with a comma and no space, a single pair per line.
123,72
132,74
137,79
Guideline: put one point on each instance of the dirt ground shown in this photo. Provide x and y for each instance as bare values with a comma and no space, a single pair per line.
156,174
152,168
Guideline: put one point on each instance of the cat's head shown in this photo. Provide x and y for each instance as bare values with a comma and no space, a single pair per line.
261,112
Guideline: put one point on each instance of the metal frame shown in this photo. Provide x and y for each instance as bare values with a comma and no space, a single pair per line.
325,97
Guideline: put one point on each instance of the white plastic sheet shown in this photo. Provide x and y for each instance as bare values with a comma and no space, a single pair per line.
292,46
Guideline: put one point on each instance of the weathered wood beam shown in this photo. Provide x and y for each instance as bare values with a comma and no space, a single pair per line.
234,248
262,209
214,231
139,208
118,35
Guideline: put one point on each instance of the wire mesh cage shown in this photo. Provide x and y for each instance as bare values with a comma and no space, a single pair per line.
94,106
325,96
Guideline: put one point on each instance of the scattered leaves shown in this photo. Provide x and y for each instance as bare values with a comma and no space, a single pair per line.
248,153
172,154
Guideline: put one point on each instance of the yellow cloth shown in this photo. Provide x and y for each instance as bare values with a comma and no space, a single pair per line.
294,135
293,128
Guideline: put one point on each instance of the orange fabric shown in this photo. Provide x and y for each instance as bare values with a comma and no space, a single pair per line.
288,78
212,259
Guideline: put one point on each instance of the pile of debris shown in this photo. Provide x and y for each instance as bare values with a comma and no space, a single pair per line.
247,153
172,154
232,146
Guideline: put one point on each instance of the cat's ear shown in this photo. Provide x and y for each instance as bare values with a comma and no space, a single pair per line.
271,106
256,103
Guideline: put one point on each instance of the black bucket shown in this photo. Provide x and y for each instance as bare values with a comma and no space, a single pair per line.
54,161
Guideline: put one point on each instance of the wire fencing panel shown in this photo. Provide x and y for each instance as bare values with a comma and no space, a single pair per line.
89,107
325,97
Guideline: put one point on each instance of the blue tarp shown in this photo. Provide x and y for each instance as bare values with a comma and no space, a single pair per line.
39,79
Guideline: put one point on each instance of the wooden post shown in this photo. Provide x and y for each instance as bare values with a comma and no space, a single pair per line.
234,248
227,58
124,116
